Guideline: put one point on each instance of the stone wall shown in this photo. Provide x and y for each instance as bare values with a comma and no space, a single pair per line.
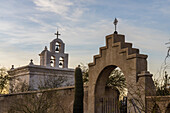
162,103
60,99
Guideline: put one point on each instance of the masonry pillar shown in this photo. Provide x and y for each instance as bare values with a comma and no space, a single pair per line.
146,87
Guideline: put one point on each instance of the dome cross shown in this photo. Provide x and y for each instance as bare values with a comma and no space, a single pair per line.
57,34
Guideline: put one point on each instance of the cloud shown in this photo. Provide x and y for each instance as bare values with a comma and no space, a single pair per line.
79,40
83,25
160,5
149,41
63,8
68,9
59,7
146,38
5,26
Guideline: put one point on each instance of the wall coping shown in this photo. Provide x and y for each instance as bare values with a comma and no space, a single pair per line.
40,91
41,67
167,96
158,98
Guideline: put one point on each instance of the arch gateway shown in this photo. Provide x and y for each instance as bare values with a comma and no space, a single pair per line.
118,53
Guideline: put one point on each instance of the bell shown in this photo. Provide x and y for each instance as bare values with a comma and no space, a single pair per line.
60,64
51,61
57,49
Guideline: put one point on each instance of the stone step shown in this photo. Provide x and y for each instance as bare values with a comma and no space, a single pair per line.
129,51
124,47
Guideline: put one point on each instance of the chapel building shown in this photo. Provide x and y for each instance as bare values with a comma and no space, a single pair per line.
52,72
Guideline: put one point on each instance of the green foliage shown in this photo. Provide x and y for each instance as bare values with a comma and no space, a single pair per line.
85,74
79,92
117,79
4,78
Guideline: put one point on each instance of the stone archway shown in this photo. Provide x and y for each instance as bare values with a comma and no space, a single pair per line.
118,53
101,92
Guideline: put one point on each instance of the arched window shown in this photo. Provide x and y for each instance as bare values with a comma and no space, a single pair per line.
52,61
156,109
168,108
57,47
61,62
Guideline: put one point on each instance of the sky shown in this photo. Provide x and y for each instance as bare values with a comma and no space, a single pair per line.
27,26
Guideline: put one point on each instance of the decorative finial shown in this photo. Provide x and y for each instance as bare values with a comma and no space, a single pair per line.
45,48
12,67
31,62
57,34
115,23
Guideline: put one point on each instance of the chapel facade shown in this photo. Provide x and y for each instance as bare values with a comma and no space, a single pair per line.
52,72
55,57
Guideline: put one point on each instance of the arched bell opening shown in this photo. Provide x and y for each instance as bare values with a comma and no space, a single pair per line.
52,61
156,109
57,47
110,84
61,62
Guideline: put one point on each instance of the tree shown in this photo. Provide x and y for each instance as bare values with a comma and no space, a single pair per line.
52,82
46,100
79,91
17,85
162,89
85,74
38,102
117,79
4,79
162,81
48,82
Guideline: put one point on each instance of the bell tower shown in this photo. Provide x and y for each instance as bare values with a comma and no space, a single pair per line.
56,56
